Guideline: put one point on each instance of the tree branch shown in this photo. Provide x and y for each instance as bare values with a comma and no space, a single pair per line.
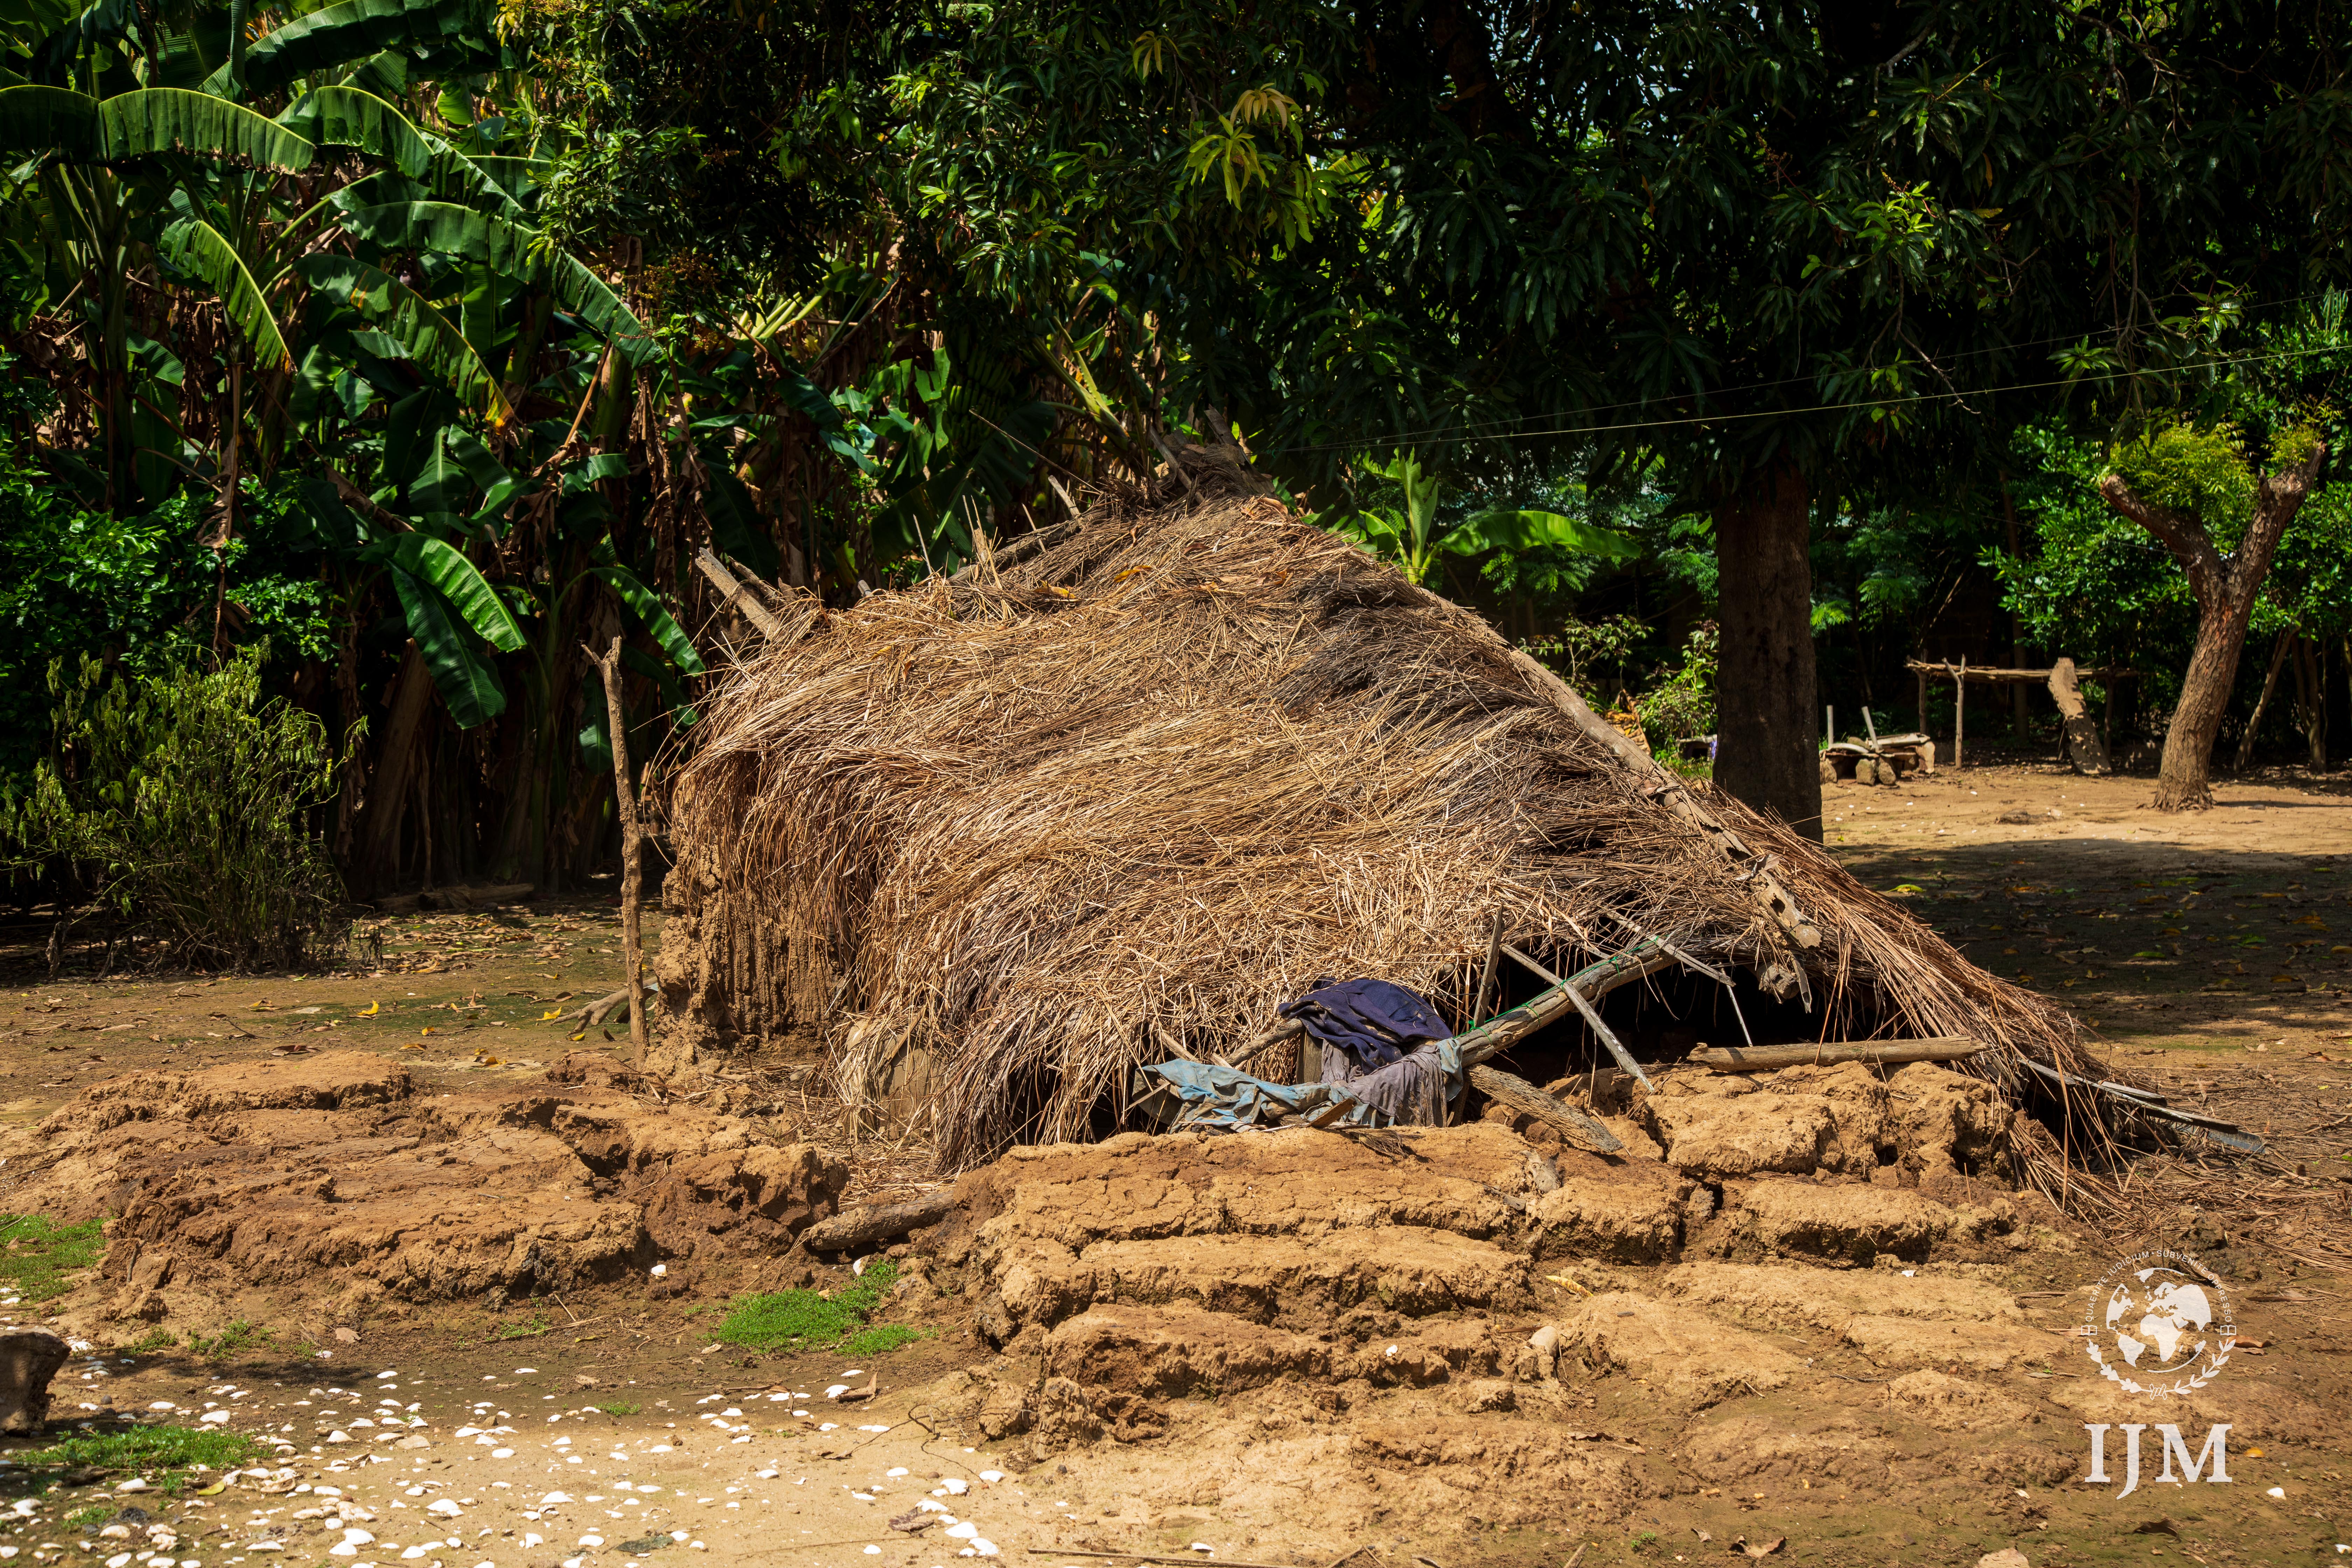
2275,504
2186,539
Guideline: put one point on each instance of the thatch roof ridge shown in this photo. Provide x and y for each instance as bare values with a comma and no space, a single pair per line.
1155,777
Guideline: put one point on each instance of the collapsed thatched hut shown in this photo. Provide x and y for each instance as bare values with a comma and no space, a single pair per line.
998,840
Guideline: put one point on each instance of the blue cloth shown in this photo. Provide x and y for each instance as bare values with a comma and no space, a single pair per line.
1226,1100
1374,1020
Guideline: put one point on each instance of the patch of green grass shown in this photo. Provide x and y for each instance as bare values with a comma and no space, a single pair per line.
35,1252
538,1325
881,1337
168,1452
154,1340
88,1517
620,1407
238,1338
813,1320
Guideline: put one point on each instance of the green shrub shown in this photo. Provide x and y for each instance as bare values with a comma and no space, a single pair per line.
184,797
1682,706
813,1320
35,1252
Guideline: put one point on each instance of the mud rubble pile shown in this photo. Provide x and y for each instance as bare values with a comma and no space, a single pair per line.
339,1174
1809,1276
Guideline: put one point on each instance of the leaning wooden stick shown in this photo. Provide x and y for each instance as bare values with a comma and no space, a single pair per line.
1506,1029
1607,1035
1494,962
1519,1094
735,594
624,800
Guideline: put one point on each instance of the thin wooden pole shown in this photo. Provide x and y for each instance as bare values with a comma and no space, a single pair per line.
1486,979
624,800
1960,710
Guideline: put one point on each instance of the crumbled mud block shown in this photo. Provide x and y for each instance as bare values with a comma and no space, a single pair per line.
335,1172
1675,1350
1168,1352
2244,1396
1920,1119
1467,1180
1850,1224
1265,1277
29,1358
1783,1446
1924,1319
1471,1456
1952,1404
1947,1123
1616,1219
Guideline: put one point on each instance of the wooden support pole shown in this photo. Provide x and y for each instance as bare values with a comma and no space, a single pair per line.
1494,963
1960,711
1767,1058
624,800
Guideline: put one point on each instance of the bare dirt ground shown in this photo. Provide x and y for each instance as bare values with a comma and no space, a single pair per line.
1283,1352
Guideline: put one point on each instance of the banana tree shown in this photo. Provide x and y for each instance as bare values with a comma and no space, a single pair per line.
1418,537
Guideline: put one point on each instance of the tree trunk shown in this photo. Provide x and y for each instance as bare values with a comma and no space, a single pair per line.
2261,703
2183,781
1766,691
2226,588
396,772
2311,700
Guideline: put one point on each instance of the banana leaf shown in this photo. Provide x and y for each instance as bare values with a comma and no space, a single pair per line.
172,118
647,606
454,576
403,315
515,249
194,247
466,679
341,35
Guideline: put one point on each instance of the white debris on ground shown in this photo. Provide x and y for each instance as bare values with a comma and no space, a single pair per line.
358,1474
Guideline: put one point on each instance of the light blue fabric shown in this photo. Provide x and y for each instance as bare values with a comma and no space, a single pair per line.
1219,1099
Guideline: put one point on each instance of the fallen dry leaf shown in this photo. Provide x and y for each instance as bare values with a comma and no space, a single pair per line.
1761,1548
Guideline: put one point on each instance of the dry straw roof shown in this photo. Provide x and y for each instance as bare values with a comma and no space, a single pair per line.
1155,778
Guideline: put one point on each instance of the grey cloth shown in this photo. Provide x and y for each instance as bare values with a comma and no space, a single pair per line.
1413,1090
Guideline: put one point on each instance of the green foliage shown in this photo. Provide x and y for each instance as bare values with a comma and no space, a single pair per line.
36,1254
168,1452
2198,470
536,1325
881,1337
620,1407
1680,705
137,588
1417,534
811,1319
184,797
1578,648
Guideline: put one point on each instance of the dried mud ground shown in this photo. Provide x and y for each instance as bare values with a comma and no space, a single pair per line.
1711,1403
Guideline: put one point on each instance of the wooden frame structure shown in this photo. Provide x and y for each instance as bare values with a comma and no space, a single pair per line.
2085,744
